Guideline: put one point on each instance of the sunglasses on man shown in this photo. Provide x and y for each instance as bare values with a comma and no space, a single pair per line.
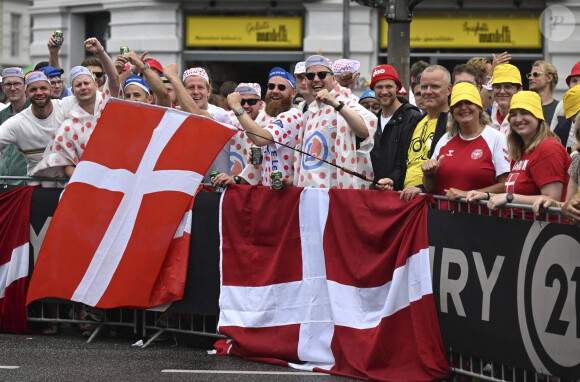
251,101
321,75
99,74
534,74
279,86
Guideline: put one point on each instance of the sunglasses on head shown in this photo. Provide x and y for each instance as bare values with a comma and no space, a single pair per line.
321,75
251,101
99,74
535,74
273,86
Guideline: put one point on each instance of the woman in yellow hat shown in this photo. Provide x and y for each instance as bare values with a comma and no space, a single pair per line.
471,156
539,163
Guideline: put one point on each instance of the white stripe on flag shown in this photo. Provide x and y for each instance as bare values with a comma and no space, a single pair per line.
108,256
317,331
15,269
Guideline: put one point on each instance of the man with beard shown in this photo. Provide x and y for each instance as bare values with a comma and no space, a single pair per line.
240,143
396,117
280,124
337,129
12,162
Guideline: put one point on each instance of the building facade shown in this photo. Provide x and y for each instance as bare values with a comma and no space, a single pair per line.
241,41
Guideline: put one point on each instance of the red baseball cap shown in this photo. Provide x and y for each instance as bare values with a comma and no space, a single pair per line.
385,72
575,72
154,64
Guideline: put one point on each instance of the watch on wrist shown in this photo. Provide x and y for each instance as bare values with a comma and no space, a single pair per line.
237,179
340,106
144,67
239,112
509,198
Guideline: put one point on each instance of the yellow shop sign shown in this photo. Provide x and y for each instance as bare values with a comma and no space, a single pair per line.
243,32
472,32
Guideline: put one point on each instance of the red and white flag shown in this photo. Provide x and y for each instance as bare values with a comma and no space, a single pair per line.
14,256
120,234
329,280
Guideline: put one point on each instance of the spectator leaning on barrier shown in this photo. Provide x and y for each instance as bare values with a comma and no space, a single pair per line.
336,128
472,155
369,101
396,118
422,139
12,162
279,124
561,125
543,80
506,82
253,105
539,164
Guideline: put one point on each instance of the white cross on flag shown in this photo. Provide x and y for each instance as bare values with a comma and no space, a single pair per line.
329,280
120,234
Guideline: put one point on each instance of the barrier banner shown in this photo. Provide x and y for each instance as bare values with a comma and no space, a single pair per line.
508,290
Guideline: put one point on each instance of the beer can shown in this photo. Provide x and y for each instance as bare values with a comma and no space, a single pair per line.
276,180
58,37
124,50
256,157
212,176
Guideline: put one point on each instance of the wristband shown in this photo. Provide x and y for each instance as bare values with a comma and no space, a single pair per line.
488,197
237,179
340,106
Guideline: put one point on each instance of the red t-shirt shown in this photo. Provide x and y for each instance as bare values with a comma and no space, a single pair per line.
471,164
547,163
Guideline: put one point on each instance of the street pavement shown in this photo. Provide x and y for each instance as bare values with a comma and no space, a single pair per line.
67,357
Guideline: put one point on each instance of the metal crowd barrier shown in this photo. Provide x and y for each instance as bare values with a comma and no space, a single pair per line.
468,367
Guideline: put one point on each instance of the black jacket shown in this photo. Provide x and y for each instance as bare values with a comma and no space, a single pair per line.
562,129
440,130
387,155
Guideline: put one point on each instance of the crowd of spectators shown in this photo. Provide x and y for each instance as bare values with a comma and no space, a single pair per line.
470,133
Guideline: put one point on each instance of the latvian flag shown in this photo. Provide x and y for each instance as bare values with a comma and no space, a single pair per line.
14,256
120,234
329,280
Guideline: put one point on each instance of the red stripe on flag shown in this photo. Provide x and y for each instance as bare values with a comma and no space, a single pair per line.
409,350
261,245
277,342
372,225
14,235
65,273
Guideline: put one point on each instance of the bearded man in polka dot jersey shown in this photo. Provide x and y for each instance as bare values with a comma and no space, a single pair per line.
280,123
336,128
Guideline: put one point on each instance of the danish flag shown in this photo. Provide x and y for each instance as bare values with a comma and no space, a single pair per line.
120,235
329,280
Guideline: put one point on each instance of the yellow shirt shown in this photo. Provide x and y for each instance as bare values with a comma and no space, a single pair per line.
418,151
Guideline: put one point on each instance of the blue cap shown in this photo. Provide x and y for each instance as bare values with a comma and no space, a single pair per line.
279,72
368,94
51,72
136,80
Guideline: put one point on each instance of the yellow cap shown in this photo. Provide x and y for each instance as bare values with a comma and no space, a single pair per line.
465,91
529,101
572,101
506,73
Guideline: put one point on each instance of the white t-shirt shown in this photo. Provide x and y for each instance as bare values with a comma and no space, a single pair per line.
384,121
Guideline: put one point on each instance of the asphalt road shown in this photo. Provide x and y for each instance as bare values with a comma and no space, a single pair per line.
67,357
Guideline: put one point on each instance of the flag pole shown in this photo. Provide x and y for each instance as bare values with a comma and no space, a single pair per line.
345,169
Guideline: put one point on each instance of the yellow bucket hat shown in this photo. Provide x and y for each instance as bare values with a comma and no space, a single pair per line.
506,73
529,101
572,101
465,91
